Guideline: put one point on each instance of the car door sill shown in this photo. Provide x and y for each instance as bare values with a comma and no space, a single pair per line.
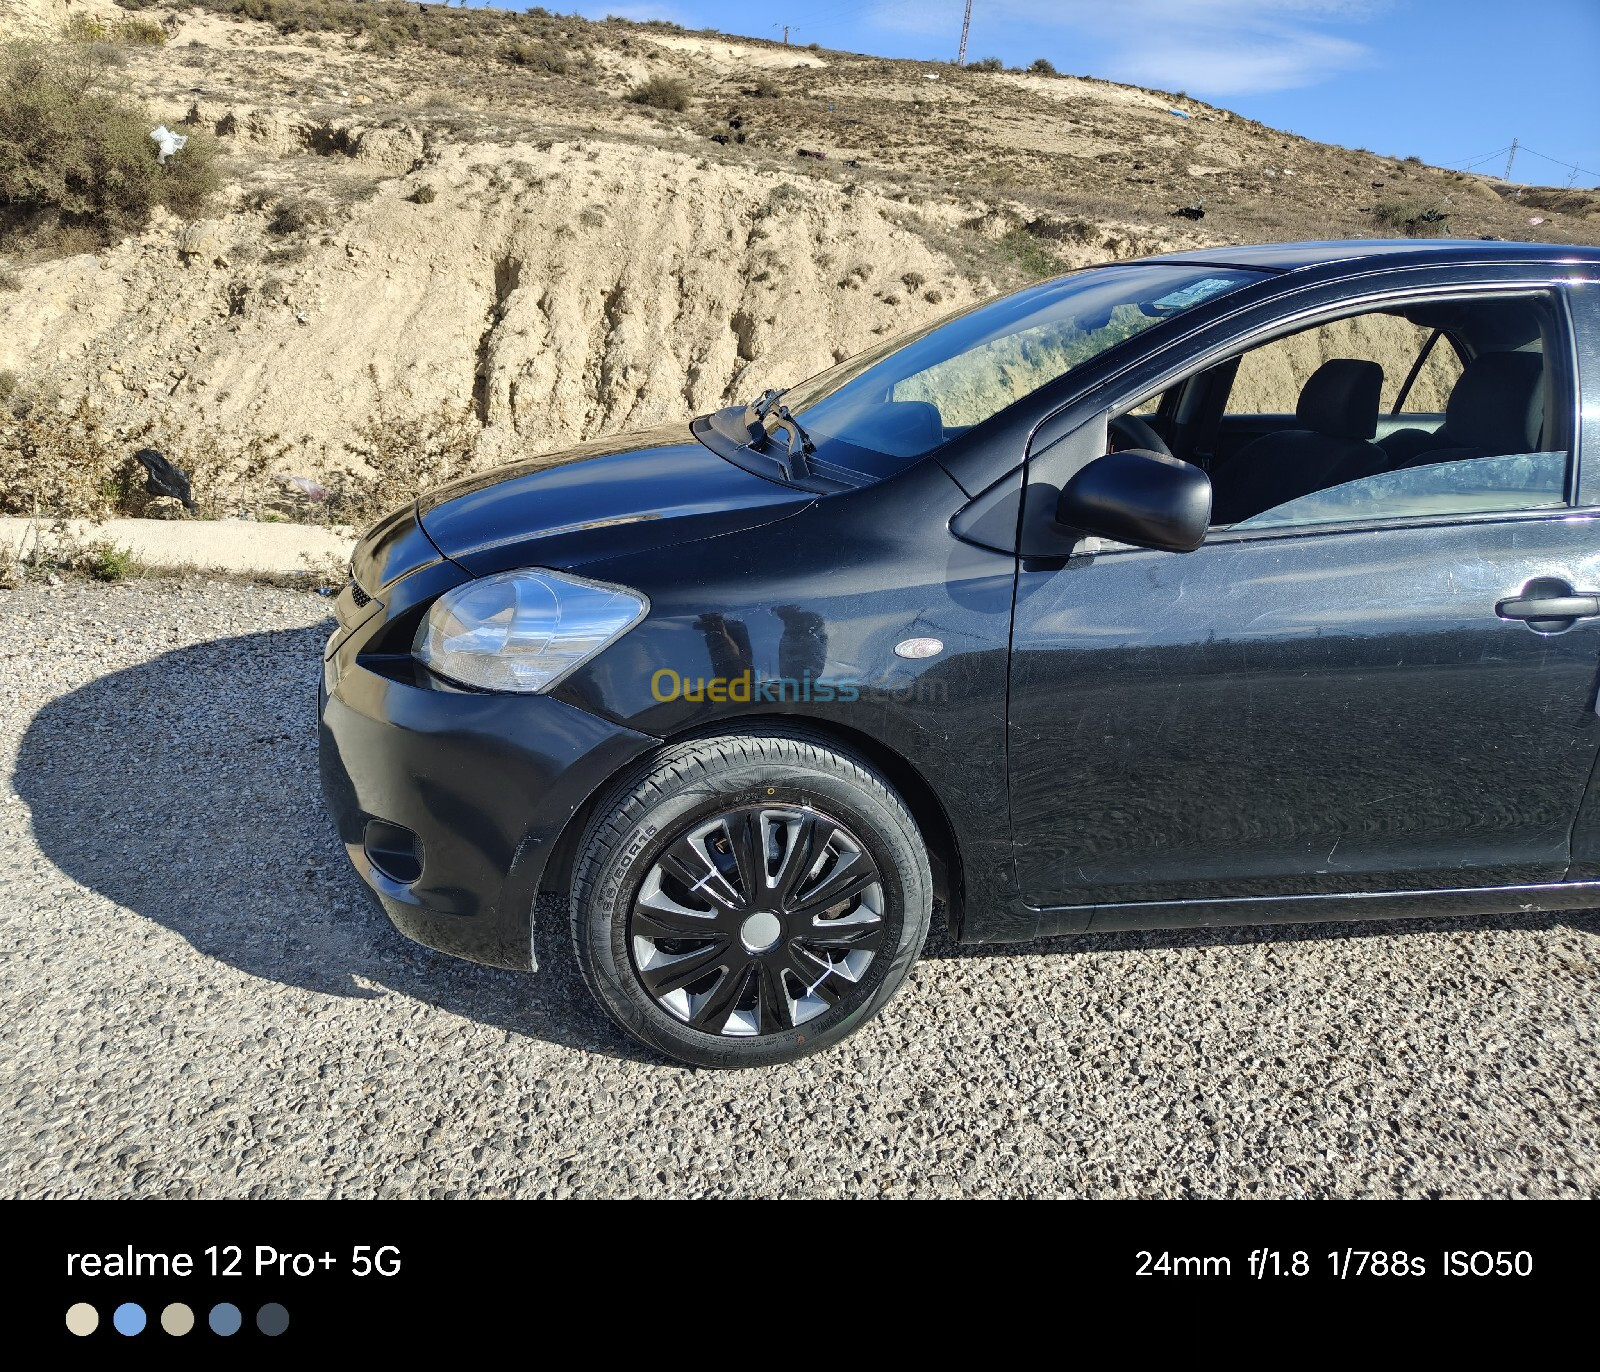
1360,905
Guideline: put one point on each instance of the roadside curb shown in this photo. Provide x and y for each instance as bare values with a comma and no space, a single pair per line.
239,547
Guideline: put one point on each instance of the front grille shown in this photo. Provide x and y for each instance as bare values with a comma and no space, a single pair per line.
361,598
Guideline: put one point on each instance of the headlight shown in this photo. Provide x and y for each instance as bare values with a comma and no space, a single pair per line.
523,631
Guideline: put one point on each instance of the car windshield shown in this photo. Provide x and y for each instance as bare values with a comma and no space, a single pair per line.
916,394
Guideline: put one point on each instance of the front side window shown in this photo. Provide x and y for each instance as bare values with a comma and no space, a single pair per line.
1270,377
916,395
1412,411
1474,485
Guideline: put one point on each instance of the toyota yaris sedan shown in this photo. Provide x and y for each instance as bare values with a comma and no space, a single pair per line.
1243,586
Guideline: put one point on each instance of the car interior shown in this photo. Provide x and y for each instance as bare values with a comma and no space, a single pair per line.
1444,407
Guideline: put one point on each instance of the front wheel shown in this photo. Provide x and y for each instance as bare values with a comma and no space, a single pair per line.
750,899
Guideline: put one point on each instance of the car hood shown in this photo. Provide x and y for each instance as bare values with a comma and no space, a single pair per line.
601,499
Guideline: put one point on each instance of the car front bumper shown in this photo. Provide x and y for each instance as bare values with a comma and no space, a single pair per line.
485,784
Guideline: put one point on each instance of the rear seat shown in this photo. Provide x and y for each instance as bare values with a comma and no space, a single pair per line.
1496,407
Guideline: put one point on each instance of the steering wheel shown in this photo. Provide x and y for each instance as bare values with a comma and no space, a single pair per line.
1129,431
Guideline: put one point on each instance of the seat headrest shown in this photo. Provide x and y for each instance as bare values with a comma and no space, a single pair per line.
1498,403
1341,399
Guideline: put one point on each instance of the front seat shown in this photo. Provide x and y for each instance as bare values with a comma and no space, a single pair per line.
1496,407
1338,415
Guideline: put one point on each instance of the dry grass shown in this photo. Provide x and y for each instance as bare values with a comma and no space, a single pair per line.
56,460
228,475
402,453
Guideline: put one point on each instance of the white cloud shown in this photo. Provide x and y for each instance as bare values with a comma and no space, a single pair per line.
1215,47
1273,63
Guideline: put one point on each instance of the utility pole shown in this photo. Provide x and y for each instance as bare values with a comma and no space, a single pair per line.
966,23
1511,159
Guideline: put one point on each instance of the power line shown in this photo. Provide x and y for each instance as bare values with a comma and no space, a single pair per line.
1571,166
1473,161
1515,148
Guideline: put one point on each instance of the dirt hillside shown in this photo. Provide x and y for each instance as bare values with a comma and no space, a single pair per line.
32,18
444,212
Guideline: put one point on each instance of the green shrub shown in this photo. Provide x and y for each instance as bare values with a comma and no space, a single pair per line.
139,33
987,64
537,55
71,143
386,40
662,93
105,560
1413,218
1024,251
124,33
1042,66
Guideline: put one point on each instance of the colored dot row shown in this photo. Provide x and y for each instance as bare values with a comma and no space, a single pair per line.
177,1319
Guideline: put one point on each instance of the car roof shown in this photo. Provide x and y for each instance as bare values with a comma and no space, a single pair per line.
1290,257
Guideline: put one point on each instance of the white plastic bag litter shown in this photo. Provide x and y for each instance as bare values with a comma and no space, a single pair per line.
167,141
305,485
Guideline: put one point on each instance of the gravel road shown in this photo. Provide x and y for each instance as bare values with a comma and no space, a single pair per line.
199,1001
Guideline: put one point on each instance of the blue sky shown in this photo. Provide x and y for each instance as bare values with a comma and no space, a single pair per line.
1444,80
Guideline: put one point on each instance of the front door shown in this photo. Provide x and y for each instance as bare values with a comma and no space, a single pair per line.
1306,712
1364,688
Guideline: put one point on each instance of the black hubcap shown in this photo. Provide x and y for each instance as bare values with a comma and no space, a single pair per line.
757,920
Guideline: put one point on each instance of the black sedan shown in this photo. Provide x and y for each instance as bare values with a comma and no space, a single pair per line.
1241,586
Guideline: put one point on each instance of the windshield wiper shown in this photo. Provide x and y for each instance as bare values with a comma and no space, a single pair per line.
755,414
793,462
800,445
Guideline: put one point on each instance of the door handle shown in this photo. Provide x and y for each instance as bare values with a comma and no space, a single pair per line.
1548,605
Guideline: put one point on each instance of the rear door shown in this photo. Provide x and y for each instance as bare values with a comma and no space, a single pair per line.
1318,706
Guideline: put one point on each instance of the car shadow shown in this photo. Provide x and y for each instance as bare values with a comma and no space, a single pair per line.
185,790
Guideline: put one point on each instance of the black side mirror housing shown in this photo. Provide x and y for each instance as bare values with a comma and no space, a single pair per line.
1140,497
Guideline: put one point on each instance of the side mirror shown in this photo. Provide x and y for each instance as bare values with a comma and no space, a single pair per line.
1139,497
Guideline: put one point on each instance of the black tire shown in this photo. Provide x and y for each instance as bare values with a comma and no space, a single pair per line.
776,798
